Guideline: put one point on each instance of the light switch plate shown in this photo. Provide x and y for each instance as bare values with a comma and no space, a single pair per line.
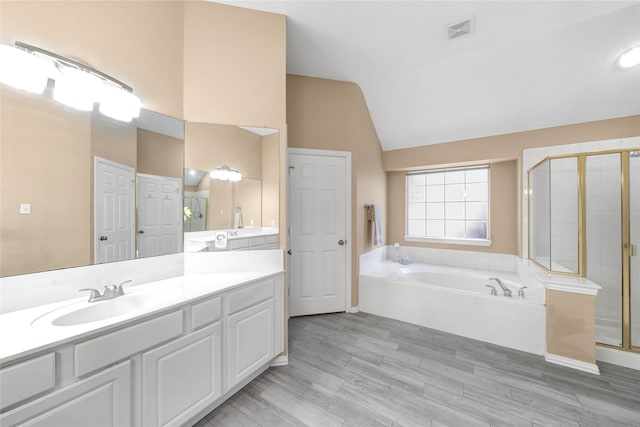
25,209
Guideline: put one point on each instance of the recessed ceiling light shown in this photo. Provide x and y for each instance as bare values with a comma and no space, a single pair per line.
629,58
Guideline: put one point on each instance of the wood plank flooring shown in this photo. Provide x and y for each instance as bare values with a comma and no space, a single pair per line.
365,370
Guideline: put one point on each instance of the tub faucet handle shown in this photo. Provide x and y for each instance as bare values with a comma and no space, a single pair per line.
493,290
505,289
521,291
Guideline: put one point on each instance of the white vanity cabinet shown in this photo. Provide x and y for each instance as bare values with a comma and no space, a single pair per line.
182,378
166,369
103,399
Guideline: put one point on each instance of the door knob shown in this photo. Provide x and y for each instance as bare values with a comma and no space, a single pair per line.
342,242
141,232
289,252
104,238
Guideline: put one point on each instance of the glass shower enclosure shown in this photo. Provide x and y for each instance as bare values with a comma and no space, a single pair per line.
584,220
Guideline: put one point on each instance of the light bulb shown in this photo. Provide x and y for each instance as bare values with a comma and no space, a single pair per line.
119,104
23,70
77,88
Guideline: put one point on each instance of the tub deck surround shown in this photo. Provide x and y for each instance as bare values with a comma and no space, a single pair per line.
514,322
203,275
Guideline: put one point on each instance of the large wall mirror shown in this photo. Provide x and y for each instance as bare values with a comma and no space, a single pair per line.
78,188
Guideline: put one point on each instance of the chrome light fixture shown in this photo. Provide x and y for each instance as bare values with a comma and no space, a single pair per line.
76,85
225,173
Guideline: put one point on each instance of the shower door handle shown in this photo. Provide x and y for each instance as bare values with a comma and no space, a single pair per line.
631,248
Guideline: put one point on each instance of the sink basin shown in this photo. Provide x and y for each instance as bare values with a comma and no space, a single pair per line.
85,312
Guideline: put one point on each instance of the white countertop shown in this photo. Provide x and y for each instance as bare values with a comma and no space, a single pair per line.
20,338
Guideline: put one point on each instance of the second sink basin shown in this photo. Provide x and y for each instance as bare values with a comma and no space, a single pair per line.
85,312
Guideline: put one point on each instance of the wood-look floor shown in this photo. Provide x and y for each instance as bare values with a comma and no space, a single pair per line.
365,370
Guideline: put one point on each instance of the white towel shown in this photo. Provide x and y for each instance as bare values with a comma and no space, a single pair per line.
377,223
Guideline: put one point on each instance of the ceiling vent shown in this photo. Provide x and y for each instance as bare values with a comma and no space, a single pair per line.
460,28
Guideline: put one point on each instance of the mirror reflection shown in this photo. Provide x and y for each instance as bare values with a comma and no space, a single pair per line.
79,188
231,187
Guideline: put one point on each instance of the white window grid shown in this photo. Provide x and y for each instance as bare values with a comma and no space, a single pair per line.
450,203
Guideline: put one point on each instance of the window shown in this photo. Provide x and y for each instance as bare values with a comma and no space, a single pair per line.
449,204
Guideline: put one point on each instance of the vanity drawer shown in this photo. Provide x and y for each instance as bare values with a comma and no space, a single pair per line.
27,379
250,295
238,244
273,239
110,348
206,312
257,241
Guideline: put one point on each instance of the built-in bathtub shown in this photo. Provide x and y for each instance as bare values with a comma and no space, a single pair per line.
454,298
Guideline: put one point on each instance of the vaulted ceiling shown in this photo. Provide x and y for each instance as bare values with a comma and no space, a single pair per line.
526,65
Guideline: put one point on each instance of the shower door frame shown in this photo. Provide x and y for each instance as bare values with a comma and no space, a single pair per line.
582,233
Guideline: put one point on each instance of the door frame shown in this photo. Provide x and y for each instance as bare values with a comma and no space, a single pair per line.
132,221
348,208
180,207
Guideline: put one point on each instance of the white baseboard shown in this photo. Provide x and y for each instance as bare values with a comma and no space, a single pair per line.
280,361
618,357
354,309
591,368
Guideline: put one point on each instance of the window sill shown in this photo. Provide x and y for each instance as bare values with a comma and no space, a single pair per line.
467,242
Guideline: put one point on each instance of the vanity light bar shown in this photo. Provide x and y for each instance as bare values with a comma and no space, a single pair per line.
76,64
76,85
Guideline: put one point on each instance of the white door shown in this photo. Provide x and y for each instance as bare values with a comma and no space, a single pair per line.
114,211
319,226
160,215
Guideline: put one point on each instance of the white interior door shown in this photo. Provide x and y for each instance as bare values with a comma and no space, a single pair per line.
160,215
114,211
319,212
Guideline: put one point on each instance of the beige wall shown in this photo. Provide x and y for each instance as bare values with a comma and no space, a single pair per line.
495,149
208,146
503,210
234,65
571,325
333,115
160,154
44,148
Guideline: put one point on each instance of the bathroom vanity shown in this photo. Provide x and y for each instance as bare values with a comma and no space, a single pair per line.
165,353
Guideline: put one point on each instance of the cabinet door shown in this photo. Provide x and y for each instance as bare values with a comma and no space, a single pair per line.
181,378
250,341
103,399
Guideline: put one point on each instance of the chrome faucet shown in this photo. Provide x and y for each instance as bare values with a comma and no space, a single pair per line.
110,291
505,290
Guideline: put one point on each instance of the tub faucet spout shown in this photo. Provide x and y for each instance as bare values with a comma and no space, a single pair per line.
505,290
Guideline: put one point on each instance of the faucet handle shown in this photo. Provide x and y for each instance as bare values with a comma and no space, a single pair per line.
119,290
95,294
521,291
493,290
